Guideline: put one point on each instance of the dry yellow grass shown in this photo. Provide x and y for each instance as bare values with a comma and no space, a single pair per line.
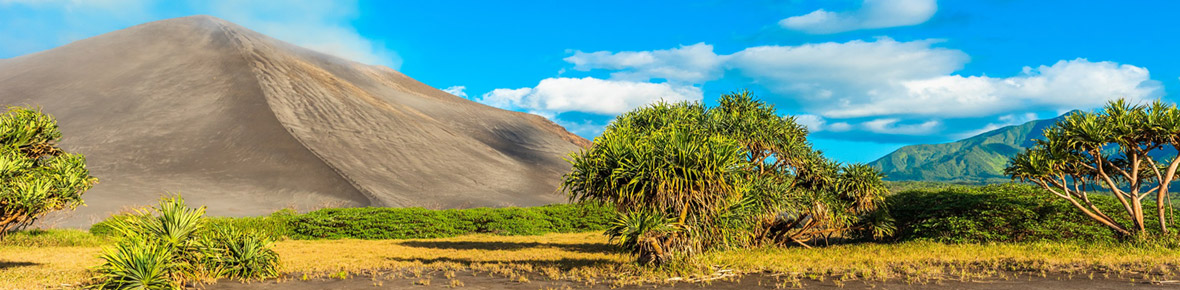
588,258
570,256
930,260
46,267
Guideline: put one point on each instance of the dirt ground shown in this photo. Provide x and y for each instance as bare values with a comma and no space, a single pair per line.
477,281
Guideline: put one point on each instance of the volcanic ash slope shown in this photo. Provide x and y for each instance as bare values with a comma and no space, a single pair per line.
247,125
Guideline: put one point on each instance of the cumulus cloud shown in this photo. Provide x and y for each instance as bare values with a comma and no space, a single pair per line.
589,95
815,123
320,25
687,64
891,126
457,91
834,72
872,14
878,86
1064,85
890,78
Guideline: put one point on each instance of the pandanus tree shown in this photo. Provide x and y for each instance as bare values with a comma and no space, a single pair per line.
36,177
687,178
1122,148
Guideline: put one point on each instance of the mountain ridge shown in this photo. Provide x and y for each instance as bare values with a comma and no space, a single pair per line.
976,159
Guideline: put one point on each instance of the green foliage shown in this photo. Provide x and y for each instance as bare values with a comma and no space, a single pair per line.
415,223
106,228
979,159
36,177
1122,149
54,238
275,226
239,254
647,235
171,245
734,175
138,264
994,213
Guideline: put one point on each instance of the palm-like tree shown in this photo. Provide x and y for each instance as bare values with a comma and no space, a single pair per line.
1116,149
36,177
733,175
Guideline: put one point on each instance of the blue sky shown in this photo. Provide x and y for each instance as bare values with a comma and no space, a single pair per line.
867,76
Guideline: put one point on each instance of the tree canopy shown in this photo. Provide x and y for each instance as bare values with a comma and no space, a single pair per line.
1122,148
36,177
687,178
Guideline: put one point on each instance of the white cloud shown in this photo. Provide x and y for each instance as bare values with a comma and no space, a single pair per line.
891,126
816,123
1069,84
833,73
890,78
589,95
872,14
908,87
839,127
812,122
457,91
687,64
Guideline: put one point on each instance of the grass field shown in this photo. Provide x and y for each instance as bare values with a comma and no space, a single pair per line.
64,257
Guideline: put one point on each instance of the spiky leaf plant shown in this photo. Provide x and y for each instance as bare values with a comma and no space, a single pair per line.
729,176
649,236
36,177
194,252
137,264
241,254
1122,149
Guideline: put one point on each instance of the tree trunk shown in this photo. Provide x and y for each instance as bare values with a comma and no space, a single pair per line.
1160,200
1137,206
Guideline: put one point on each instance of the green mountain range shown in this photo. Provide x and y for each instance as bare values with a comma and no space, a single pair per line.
978,159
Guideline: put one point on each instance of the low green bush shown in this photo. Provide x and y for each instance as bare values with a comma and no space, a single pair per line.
172,245
996,213
54,238
275,226
413,223
406,223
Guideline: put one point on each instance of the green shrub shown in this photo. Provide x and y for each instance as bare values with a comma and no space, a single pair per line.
106,228
36,177
172,245
54,238
414,223
239,254
405,223
137,264
994,213
275,226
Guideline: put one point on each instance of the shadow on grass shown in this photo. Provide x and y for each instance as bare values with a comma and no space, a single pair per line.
453,245
564,264
4,265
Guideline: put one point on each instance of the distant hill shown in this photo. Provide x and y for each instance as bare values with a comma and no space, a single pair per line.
248,124
978,159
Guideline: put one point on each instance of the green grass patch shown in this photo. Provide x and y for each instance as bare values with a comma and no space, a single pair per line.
54,238
410,223
999,213
416,223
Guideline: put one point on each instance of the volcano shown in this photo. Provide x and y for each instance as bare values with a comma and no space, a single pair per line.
247,124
